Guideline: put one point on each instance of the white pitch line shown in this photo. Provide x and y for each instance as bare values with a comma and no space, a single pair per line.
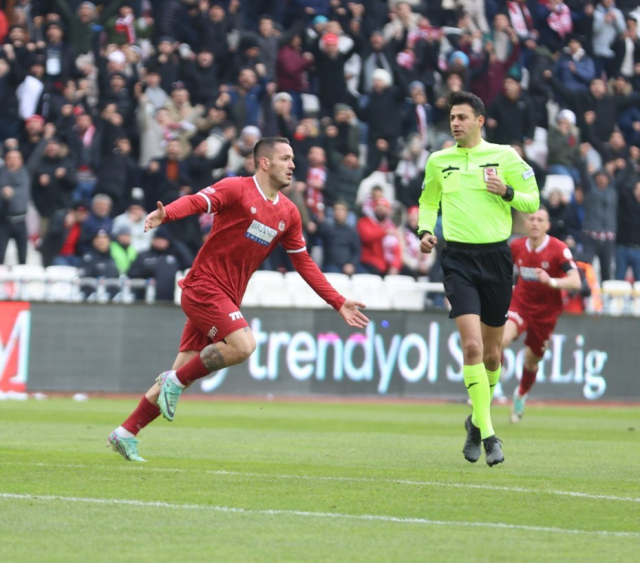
329,515
407,482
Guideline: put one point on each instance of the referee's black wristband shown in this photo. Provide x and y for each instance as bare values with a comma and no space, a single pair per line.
422,233
508,196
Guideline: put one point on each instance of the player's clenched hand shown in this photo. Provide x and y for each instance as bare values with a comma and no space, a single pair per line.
155,218
352,315
427,243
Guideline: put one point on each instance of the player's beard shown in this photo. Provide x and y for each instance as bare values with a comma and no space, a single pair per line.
281,182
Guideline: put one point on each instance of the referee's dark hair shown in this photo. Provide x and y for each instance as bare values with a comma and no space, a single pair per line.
264,147
462,97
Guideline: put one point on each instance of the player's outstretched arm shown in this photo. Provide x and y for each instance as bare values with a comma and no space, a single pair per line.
350,312
155,218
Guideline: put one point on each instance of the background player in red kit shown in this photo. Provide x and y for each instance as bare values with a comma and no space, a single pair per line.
251,218
544,266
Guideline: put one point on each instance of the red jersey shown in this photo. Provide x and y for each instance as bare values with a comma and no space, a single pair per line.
556,259
247,226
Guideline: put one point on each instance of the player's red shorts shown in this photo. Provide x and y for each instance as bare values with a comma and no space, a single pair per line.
211,316
539,331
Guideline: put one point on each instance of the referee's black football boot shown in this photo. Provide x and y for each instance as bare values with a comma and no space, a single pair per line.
473,444
493,450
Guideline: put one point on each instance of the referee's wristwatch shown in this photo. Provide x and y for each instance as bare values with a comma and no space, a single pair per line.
508,195
422,233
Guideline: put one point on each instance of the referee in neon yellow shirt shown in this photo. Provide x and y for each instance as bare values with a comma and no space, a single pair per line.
477,183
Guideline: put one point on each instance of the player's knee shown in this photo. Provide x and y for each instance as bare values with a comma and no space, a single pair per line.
472,351
492,359
245,347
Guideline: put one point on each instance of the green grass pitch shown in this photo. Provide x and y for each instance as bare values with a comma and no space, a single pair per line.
327,481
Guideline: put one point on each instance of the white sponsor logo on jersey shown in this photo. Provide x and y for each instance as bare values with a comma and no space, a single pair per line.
261,233
235,316
526,175
212,332
528,274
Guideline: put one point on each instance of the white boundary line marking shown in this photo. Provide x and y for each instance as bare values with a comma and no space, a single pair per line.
407,482
280,512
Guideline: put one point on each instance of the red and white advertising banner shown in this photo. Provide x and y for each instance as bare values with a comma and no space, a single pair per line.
15,329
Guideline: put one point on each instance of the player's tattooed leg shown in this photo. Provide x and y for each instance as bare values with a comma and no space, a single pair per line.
212,358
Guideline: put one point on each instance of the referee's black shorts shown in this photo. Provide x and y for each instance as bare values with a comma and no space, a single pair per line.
478,280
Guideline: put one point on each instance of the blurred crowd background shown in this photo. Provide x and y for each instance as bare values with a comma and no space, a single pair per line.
108,107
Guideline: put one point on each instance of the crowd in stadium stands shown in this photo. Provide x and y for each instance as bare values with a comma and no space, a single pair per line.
108,107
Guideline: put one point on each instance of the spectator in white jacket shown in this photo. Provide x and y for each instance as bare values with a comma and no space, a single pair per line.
608,27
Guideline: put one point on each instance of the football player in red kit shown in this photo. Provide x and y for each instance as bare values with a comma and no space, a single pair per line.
544,266
251,217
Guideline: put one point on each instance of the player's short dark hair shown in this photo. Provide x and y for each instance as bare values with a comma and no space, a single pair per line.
462,97
265,146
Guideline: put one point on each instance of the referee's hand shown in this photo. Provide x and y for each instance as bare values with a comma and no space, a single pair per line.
427,242
496,186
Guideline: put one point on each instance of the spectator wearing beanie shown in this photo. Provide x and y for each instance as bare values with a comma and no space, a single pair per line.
279,120
385,100
563,141
409,174
161,263
97,262
133,218
418,114
122,252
